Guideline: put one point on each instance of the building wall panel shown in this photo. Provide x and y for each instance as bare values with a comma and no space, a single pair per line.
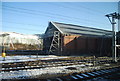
79,45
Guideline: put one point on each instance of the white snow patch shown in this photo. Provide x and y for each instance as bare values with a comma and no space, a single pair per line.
48,71
23,58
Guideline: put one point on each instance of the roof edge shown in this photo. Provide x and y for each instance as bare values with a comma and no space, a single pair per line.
56,26
85,27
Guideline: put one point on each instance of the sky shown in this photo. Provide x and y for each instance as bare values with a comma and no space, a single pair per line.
33,17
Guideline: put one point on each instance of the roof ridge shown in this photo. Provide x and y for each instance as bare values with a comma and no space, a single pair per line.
82,26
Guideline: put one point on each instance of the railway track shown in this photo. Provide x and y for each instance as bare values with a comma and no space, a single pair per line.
15,66
48,63
41,64
93,75
36,65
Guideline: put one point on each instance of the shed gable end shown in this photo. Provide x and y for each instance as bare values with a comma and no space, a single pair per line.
50,30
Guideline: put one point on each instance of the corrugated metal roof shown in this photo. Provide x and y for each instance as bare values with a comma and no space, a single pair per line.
79,30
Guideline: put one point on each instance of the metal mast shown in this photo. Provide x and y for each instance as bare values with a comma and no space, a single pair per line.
113,16
3,45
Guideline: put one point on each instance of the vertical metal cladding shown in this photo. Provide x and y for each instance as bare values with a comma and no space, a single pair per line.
70,44
82,45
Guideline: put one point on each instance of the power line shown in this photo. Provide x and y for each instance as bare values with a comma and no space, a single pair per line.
48,13
54,17
90,11
45,15
25,29
22,23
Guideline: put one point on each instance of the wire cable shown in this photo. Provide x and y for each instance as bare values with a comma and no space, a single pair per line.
51,14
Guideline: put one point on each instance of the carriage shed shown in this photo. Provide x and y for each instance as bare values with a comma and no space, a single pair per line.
74,40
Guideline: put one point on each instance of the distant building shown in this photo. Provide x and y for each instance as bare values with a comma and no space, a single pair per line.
68,39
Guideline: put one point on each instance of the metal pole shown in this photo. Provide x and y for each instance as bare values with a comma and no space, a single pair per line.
58,43
3,48
61,44
114,40
114,16
115,46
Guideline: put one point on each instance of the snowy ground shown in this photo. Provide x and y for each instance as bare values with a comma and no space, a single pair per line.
43,72
35,73
23,58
